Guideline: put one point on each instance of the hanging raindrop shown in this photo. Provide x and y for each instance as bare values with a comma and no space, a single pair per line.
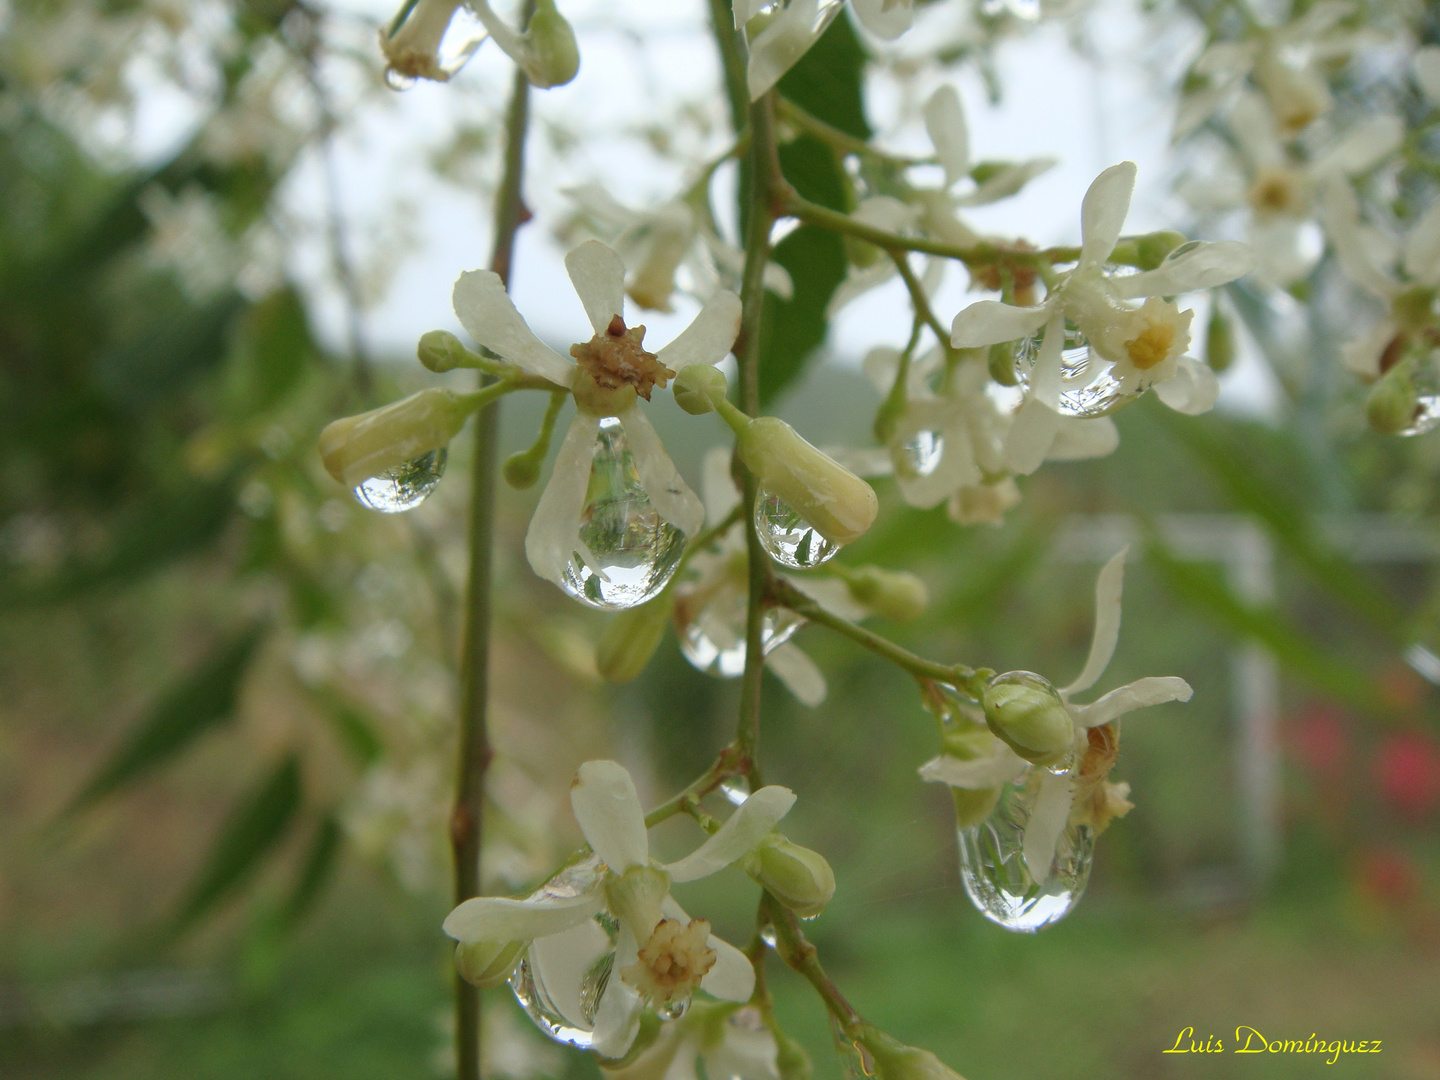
466,34
920,456
405,486
714,641
1426,383
993,868
397,80
789,539
1088,387
736,789
627,552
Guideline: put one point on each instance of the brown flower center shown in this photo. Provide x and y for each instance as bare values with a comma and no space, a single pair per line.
1275,192
673,961
616,358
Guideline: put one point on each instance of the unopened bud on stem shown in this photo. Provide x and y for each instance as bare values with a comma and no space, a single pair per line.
799,878
1394,401
1219,341
551,55
631,638
829,497
487,963
441,351
896,1061
355,448
698,387
891,594
1026,712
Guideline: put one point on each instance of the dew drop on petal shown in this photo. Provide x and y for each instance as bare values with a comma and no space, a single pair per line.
397,80
921,455
1088,389
627,552
714,642
1426,382
673,1009
736,789
405,486
788,538
465,35
992,864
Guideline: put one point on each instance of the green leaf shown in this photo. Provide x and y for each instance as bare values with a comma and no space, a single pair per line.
791,330
254,829
203,700
828,81
314,874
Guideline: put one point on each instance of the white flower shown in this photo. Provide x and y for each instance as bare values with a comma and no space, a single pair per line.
1138,347
1278,190
655,243
1060,795
1425,65
1356,249
608,373
661,955
788,35
413,50
736,1046
950,135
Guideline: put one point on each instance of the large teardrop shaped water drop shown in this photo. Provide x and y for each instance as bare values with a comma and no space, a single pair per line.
626,552
788,538
561,978
405,486
1088,387
993,868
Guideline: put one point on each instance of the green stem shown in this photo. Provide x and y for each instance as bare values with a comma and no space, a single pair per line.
923,310
732,63
475,752
787,596
800,955
841,140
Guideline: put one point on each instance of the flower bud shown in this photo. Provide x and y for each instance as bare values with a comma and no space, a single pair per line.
356,448
522,469
829,497
1026,712
487,963
891,594
894,1060
632,637
973,805
635,896
791,1060
1002,364
799,878
1394,401
1219,341
551,57
413,49
440,351
698,387
1414,308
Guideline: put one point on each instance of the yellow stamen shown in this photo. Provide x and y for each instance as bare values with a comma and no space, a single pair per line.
673,961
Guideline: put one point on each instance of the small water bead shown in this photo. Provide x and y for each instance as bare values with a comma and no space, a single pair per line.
1426,382
405,486
993,870
714,641
1088,389
788,538
921,455
673,1009
398,80
629,551
736,789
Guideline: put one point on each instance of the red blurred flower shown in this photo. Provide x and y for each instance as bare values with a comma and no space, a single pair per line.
1407,771
1389,878
1320,740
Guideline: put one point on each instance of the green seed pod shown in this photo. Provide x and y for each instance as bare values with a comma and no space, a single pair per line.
698,387
631,638
1219,341
1026,712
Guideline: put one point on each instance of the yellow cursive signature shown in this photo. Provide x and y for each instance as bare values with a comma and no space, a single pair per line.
1249,1040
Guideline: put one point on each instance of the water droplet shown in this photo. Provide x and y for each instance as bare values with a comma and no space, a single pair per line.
465,35
627,552
736,789
921,455
1088,389
768,936
398,81
405,486
1426,381
673,1009
1025,10
714,641
790,540
992,864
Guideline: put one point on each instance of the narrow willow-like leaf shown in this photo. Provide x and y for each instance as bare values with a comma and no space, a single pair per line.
315,873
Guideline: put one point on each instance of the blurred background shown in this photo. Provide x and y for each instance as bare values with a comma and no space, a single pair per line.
227,690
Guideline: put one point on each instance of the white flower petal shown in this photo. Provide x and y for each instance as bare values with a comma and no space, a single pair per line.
1364,146
598,275
555,527
1079,440
708,337
1002,767
671,496
1140,694
788,37
1362,355
745,10
1426,66
751,822
610,815
798,672
1031,435
743,1053
1045,379
1254,127
945,124
989,322
1008,181
1193,388
865,463
617,1020
559,963
1340,213
499,919
732,978
1202,267
1102,213
1108,587
886,19
1422,246
717,485
486,311
1047,822
857,282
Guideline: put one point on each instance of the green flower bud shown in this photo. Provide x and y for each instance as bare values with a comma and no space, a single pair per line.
791,1061
487,963
1152,248
635,896
1026,712
441,351
356,448
892,594
829,497
1002,364
1219,341
799,878
896,1061
632,637
551,55
698,387
1394,400
1415,308
861,253
522,469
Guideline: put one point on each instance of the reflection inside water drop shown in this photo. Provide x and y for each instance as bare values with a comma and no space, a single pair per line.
788,538
405,486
